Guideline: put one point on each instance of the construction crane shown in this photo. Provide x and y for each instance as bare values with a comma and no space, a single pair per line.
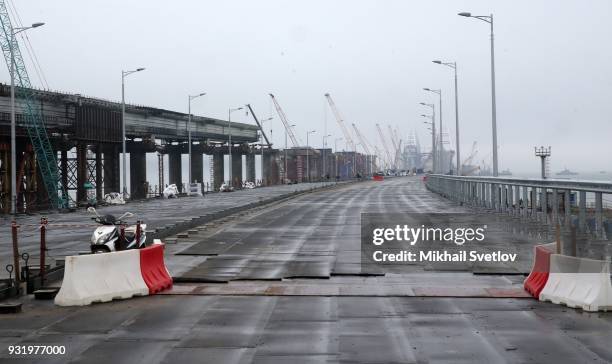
283,117
347,136
471,156
384,143
364,144
395,147
259,125
362,140
33,120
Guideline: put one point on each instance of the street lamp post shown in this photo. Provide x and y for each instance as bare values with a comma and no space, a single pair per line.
229,142
307,154
434,157
124,74
13,120
189,131
453,65
291,126
336,152
489,19
440,140
324,154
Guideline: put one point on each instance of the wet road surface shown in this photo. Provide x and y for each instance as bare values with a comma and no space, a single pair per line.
265,313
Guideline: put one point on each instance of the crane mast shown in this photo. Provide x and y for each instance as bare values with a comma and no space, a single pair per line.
347,135
33,120
395,146
259,125
384,142
283,117
361,140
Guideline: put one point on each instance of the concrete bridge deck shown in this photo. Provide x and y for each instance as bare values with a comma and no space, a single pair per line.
263,315
69,233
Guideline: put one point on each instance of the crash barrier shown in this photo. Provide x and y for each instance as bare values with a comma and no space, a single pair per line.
101,278
108,276
579,282
538,277
153,268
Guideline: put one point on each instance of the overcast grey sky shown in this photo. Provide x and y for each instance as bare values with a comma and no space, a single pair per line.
553,63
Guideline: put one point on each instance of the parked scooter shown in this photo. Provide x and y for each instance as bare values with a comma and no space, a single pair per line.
107,237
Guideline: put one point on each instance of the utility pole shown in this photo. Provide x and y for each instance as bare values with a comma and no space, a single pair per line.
189,131
489,19
12,44
124,74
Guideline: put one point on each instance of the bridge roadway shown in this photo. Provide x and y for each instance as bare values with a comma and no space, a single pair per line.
260,315
69,233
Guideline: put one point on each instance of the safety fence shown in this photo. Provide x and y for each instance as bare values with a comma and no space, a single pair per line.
572,204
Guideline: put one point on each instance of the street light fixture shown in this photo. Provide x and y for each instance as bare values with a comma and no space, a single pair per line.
13,120
434,157
453,65
307,154
440,141
489,19
190,97
229,143
124,74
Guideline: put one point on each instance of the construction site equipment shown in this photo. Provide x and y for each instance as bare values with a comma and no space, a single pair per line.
283,117
384,143
259,125
347,135
33,120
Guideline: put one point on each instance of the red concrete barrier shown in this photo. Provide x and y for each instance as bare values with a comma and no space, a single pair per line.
538,277
153,268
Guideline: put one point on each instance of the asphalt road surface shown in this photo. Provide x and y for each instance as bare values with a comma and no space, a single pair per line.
69,233
282,284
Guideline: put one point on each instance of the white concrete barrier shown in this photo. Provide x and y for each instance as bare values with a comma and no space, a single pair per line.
579,282
101,278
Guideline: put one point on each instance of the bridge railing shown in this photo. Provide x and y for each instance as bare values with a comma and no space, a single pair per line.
550,201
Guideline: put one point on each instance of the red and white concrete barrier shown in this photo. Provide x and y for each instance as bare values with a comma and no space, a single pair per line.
540,270
109,276
579,283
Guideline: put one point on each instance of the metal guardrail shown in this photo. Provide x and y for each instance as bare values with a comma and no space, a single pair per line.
549,201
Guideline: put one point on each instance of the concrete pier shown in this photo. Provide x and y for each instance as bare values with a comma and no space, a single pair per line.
218,170
236,169
138,175
175,169
250,167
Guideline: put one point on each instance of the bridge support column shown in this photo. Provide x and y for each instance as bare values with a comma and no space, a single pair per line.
64,169
111,169
138,175
197,168
266,163
217,170
175,172
236,170
99,176
81,167
250,167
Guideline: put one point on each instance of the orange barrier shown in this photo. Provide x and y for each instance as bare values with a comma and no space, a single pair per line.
153,268
538,277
